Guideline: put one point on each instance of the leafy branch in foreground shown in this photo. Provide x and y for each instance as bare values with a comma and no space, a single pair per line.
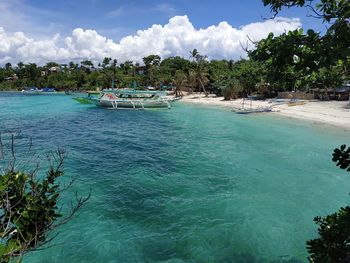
29,207
333,245
342,157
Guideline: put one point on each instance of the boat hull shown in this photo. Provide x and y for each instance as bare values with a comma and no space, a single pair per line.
130,104
246,111
110,100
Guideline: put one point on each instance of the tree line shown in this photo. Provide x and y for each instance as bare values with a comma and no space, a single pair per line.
285,63
195,73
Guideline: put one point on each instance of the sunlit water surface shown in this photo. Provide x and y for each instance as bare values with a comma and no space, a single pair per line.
190,184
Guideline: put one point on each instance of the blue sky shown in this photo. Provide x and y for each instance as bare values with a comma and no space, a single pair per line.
92,29
116,19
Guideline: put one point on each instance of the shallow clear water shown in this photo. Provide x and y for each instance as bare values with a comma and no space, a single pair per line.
191,184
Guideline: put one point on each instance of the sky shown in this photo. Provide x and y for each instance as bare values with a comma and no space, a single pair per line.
41,30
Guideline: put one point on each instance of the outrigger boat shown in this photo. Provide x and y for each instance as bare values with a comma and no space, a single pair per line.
111,100
35,91
126,98
250,110
32,91
256,110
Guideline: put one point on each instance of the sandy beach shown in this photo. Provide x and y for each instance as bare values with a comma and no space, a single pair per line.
334,113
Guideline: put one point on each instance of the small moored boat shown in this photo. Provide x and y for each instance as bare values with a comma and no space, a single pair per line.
129,99
32,91
111,100
257,110
250,110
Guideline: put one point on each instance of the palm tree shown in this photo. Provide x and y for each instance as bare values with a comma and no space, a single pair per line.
106,62
20,65
8,66
129,67
192,80
194,54
200,70
201,76
179,82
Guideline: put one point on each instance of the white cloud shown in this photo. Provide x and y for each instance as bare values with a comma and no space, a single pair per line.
279,25
177,37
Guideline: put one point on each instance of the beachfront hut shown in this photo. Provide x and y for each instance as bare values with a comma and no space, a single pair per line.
342,93
302,95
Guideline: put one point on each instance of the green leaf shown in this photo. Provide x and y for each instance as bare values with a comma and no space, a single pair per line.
3,250
25,214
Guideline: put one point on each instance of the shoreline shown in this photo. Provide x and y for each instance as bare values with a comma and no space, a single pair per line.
332,113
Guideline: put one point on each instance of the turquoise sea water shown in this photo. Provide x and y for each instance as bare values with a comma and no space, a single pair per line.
191,184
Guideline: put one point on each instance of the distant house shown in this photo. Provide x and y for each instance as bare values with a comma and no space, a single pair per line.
302,95
342,93
141,70
14,77
50,70
55,69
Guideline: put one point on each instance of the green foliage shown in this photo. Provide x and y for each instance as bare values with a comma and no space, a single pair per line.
294,60
218,69
152,60
249,73
334,45
231,88
234,79
179,81
152,63
277,5
341,157
297,60
169,66
29,207
316,59
200,74
333,245
199,71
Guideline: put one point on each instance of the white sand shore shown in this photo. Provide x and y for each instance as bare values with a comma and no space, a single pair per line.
328,112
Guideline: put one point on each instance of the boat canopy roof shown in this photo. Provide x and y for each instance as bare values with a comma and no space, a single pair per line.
47,89
31,88
133,92
93,92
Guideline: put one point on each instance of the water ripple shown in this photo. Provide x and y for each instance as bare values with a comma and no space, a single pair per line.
192,184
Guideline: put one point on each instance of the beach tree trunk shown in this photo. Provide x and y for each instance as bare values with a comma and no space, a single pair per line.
202,86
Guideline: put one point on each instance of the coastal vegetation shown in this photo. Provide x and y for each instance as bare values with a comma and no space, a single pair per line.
30,203
285,63
298,59
332,245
